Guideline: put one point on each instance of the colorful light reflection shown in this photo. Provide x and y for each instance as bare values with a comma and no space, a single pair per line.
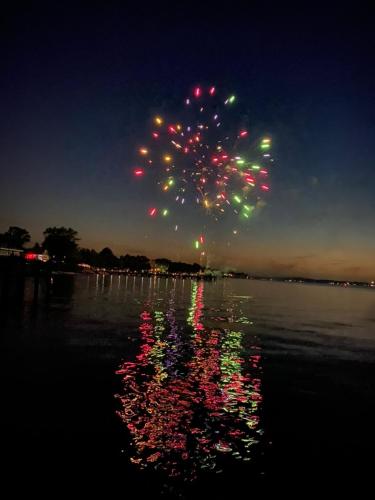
190,395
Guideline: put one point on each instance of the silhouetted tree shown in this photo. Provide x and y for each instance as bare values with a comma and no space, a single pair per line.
107,258
183,267
143,263
196,268
135,262
61,243
15,237
87,256
37,248
163,262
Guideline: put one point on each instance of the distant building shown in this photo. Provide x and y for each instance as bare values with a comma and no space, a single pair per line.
85,268
32,256
8,252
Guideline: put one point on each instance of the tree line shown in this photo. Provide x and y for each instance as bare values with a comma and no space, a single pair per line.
61,244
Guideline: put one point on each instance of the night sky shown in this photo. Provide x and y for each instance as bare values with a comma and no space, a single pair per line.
80,83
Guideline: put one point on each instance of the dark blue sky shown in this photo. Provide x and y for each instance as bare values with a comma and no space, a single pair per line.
81,81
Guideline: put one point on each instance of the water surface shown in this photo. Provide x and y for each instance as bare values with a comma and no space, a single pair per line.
174,386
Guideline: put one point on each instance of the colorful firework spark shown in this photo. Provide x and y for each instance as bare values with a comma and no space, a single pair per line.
207,157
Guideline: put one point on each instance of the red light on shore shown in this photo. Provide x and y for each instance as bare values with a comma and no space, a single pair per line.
152,212
138,172
212,90
197,92
31,256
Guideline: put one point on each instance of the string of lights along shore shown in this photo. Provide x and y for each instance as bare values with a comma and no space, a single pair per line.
206,155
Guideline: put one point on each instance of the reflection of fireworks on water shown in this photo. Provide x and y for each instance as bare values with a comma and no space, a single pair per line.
207,156
188,401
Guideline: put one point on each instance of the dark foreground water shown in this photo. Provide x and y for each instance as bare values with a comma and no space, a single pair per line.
176,388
